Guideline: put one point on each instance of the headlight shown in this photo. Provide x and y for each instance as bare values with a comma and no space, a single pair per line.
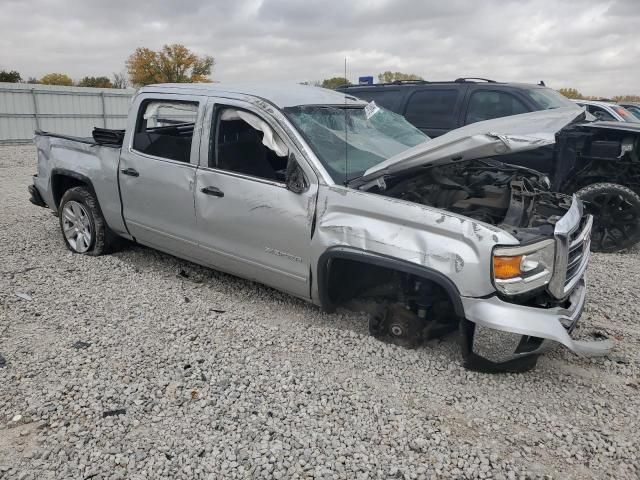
521,269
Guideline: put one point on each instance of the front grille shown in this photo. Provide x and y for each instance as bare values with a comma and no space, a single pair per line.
573,239
578,255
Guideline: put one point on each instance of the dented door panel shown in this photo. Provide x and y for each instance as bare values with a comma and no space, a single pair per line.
258,229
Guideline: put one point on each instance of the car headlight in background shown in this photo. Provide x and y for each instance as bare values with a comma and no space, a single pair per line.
521,269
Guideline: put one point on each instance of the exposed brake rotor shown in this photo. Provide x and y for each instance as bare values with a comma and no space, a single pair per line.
395,324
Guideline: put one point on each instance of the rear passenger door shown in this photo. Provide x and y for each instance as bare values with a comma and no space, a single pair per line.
157,171
435,110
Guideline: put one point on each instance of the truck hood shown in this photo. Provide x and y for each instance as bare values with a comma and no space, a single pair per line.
490,138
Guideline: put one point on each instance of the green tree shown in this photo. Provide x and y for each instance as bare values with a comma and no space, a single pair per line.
172,64
388,77
56,79
334,82
98,82
571,93
11,77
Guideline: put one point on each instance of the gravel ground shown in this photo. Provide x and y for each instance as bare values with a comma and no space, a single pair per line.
140,365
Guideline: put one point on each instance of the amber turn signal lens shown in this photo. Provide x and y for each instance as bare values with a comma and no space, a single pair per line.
507,267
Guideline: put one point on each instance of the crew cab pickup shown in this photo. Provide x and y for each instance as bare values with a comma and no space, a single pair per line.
337,201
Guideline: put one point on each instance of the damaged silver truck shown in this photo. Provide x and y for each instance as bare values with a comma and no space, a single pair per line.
339,202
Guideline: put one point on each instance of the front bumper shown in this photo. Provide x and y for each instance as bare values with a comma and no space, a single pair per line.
500,327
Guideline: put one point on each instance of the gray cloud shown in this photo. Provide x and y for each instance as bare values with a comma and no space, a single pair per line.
587,44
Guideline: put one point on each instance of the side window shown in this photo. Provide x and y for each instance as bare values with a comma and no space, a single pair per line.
165,129
244,143
600,113
432,108
485,105
384,98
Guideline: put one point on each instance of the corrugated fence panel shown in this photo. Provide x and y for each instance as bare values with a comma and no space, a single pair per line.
67,110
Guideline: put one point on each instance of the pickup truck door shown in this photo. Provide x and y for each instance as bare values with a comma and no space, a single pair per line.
249,223
157,171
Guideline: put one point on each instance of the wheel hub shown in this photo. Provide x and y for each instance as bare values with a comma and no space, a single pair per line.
76,226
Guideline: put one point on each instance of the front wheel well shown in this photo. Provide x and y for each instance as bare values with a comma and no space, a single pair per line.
345,275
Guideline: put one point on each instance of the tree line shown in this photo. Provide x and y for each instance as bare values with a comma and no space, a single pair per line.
576,95
175,63
171,64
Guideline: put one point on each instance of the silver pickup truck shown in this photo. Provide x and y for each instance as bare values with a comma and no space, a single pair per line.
339,202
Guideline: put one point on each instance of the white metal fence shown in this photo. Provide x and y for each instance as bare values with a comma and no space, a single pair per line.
67,110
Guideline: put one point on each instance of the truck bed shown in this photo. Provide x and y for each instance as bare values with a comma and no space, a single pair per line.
64,157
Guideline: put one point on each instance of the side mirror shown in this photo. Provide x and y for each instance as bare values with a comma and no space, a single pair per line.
294,177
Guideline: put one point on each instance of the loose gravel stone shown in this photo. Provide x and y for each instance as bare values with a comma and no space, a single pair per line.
242,381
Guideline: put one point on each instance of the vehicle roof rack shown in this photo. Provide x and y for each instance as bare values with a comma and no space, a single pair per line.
466,79
395,82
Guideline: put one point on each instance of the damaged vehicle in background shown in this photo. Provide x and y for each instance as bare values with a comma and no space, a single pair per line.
599,161
339,202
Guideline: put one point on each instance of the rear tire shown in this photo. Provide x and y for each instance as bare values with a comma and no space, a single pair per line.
616,216
83,227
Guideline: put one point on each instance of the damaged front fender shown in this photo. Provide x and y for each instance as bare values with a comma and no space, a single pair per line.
450,244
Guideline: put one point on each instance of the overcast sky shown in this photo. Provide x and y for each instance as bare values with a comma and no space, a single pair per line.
592,45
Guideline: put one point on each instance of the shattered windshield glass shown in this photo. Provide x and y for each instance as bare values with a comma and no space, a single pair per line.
350,140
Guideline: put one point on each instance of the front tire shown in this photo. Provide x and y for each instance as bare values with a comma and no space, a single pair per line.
616,216
83,227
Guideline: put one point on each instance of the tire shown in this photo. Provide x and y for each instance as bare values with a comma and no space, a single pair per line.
476,363
616,216
83,227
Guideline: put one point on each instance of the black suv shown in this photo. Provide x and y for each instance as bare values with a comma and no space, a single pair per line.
598,161
437,107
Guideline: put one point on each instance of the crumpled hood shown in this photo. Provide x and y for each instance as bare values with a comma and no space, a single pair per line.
490,138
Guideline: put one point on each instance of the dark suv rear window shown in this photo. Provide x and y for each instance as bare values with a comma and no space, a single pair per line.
432,108
487,104
389,99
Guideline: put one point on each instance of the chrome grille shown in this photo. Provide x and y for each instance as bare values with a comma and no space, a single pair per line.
573,239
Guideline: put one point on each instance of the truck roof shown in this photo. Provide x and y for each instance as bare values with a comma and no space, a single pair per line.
281,95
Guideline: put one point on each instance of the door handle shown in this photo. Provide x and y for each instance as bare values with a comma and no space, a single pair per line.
216,192
132,172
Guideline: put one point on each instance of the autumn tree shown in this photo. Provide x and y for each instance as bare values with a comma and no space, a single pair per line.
56,79
98,82
11,77
173,64
388,77
626,98
571,93
334,82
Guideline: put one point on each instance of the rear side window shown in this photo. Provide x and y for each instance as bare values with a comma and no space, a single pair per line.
600,113
486,104
432,108
388,99
165,129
